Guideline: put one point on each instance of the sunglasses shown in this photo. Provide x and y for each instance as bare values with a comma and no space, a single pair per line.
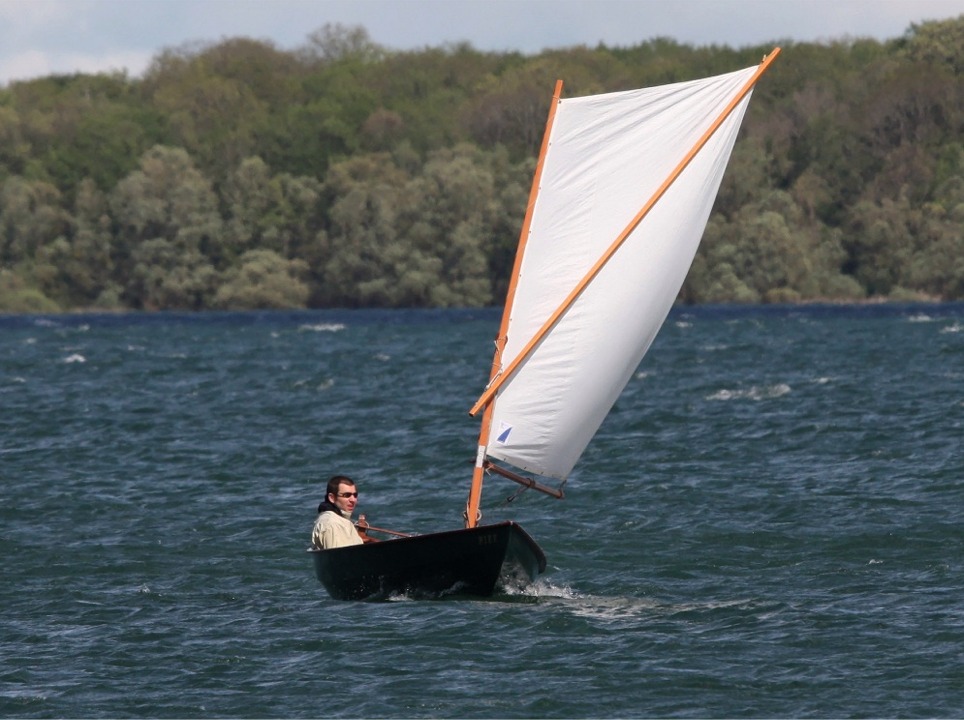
347,495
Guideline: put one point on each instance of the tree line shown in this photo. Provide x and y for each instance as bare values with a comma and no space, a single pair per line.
236,175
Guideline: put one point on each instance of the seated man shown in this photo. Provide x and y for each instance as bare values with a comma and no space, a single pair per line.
334,527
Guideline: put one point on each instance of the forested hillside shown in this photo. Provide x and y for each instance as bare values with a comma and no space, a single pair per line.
237,175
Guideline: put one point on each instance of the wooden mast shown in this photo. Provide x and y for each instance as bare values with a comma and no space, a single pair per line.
472,513
496,382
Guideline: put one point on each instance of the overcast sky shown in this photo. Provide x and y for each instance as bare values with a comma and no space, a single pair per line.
43,37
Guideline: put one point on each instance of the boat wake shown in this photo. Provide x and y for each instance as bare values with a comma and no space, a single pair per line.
612,609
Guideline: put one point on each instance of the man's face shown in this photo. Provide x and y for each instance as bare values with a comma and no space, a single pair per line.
346,498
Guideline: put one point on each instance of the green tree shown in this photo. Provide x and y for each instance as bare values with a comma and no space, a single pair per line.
420,240
769,252
167,277
264,280
938,43
880,238
17,296
511,109
334,42
213,117
78,126
363,240
281,213
76,269
899,248
15,150
401,178
30,217
169,232
937,266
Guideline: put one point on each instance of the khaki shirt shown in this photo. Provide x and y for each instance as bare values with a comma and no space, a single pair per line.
332,530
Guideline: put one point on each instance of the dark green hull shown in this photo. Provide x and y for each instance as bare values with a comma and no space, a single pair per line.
474,561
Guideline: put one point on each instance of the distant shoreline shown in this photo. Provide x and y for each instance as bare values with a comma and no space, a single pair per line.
864,302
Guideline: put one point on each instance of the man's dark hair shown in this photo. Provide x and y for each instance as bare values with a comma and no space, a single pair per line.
335,482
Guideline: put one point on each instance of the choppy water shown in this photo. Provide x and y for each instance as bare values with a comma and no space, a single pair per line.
769,524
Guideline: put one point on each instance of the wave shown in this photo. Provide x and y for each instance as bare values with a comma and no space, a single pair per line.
322,327
766,392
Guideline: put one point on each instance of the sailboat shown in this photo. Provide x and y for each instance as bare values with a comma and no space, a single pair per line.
621,194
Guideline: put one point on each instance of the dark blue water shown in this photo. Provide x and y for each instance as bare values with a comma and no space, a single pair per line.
769,524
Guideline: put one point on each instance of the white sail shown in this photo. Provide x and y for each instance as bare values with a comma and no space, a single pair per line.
607,157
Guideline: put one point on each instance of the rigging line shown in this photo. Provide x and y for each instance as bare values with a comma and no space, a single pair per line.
496,360
509,498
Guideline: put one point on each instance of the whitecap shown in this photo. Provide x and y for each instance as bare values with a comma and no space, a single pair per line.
323,327
766,392
774,391
723,395
75,358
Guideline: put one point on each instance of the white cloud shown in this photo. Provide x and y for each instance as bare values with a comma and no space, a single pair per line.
23,15
41,37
